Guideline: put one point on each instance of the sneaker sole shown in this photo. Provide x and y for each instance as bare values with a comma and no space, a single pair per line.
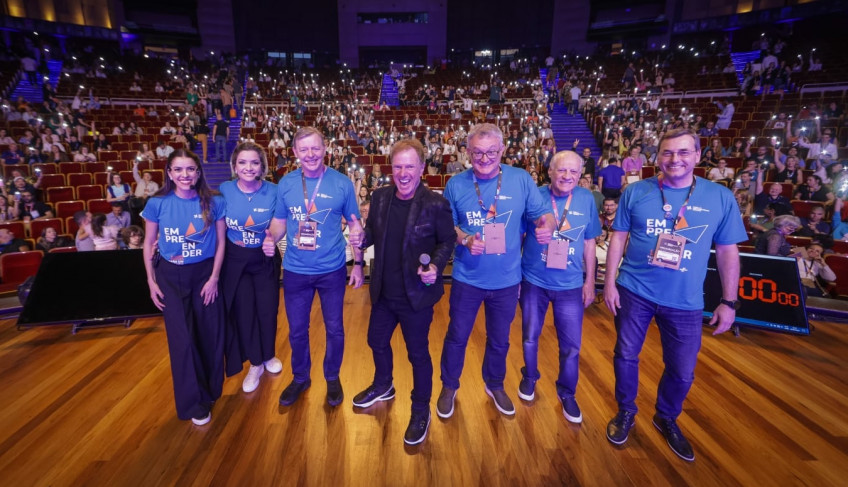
498,406
688,459
202,421
423,437
622,441
572,419
449,413
526,397
384,397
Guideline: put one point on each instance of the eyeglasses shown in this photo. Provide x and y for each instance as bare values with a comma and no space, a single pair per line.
491,154
681,154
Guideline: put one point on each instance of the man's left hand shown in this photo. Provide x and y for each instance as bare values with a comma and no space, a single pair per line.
723,318
356,233
544,234
356,277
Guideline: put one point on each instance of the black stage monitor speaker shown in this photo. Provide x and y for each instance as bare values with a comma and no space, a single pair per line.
75,287
770,294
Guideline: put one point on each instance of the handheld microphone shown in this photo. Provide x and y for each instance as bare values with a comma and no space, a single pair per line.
424,260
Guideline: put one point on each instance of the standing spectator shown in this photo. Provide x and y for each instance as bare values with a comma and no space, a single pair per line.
103,235
726,115
553,275
30,68
315,258
651,214
82,240
488,204
611,179
186,224
220,134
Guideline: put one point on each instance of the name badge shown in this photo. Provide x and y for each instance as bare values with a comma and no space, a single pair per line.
307,235
495,238
557,256
669,251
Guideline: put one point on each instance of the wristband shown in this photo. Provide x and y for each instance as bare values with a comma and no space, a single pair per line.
359,262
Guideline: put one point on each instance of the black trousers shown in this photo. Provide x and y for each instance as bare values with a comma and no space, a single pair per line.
195,336
251,290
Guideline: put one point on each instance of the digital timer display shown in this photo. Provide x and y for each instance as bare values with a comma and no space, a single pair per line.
770,294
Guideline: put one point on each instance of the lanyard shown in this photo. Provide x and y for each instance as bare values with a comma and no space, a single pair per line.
492,211
808,270
679,222
563,223
310,203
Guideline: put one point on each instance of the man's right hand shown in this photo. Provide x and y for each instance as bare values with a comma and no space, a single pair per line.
611,298
268,245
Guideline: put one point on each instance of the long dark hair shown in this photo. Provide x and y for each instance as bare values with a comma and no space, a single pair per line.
97,222
204,192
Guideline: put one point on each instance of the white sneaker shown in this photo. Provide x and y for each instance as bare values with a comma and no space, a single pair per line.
251,380
274,365
203,420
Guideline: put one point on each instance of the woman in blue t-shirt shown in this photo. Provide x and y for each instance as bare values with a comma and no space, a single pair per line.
186,219
251,285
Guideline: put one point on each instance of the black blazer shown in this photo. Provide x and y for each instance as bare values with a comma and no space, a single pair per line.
429,230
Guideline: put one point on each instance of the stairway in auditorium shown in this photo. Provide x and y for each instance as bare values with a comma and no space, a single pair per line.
32,93
389,91
740,59
219,171
567,128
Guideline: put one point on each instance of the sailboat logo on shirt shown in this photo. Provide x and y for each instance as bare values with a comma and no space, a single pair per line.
319,216
252,226
572,234
195,236
692,234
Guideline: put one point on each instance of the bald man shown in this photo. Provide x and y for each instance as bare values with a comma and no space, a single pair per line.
553,275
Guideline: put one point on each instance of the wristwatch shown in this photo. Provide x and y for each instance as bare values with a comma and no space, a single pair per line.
359,262
734,305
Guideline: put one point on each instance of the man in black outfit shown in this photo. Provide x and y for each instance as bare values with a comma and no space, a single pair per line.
405,221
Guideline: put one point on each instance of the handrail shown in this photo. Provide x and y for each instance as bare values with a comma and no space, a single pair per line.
823,87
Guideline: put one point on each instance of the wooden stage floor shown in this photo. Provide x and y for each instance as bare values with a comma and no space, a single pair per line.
96,409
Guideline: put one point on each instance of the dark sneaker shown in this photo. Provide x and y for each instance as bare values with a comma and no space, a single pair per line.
200,421
334,392
293,391
674,437
502,401
527,387
571,410
416,432
618,429
444,405
372,395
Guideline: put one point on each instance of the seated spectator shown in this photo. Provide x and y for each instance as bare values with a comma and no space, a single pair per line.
814,224
743,202
82,240
721,172
763,221
139,111
840,228
144,153
167,130
163,150
709,130
814,190
135,88
811,267
145,186
13,155
745,185
118,217
118,191
104,237
454,166
102,143
773,242
133,237
8,212
50,239
772,197
30,208
5,139
56,156
708,160
789,171
9,243
84,155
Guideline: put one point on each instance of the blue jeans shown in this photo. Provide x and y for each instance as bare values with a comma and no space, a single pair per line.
465,301
568,321
680,335
220,148
415,327
298,293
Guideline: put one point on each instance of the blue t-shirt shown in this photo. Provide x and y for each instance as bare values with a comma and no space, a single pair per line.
612,175
248,219
182,236
519,198
335,199
584,223
711,215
